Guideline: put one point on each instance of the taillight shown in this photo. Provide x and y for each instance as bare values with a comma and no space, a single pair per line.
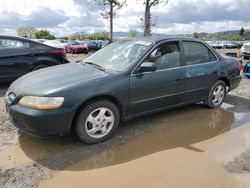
239,67
58,52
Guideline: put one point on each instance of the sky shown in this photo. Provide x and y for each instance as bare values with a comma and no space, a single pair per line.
65,17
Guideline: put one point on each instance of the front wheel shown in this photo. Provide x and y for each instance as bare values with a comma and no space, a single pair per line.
216,95
97,121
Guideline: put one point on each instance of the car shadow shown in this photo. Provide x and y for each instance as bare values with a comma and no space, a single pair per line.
134,139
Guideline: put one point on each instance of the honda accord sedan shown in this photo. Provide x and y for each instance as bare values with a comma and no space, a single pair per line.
19,56
126,79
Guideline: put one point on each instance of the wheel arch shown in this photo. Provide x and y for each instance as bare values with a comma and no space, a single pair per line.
111,98
226,81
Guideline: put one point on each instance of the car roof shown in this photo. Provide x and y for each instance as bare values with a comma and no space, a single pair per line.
159,39
18,38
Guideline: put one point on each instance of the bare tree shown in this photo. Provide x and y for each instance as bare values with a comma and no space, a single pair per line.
110,8
147,14
26,31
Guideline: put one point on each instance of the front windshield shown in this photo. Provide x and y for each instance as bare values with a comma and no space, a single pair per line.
119,55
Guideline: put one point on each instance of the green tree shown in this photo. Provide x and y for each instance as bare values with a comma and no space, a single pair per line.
133,33
44,34
26,31
79,35
236,37
110,8
242,32
195,35
99,35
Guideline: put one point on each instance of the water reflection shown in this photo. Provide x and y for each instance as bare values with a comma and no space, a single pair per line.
137,138
183,133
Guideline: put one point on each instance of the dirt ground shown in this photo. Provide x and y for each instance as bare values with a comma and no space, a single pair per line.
188,147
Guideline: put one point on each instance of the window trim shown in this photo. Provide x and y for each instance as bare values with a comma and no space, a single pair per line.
134,70
209,50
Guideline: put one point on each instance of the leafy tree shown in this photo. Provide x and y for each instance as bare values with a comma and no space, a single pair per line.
44,34
110,8
242,32
237,37
133,33
64,38
26,31
147,20
79,35
195,35
99,35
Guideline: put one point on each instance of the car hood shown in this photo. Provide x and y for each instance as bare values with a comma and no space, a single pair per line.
55,79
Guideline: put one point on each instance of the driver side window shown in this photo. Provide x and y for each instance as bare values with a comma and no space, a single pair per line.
167,55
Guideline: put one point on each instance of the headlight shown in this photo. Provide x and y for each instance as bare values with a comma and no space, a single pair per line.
42,103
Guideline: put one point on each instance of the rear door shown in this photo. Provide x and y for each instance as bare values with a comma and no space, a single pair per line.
161,88
14,55
202,70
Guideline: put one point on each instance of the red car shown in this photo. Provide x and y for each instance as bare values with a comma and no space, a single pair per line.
77,47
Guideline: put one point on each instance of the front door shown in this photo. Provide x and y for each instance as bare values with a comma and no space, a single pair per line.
163,87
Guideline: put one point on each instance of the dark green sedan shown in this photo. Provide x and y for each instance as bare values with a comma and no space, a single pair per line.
126,79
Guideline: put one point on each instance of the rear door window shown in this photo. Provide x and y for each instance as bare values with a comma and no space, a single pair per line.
197,53
13,44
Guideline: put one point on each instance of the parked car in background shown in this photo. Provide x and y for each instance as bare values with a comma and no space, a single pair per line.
94,46
104,43
65,43
229,44
54,43
245,51
126,79
78,47
19,56
217,45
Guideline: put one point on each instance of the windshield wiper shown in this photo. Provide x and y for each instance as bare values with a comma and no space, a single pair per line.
95,65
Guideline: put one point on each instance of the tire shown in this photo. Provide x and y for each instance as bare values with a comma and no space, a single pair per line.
217,95
86,52
72,51
93,125
41,66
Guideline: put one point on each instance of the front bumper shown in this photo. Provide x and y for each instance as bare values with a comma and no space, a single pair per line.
42,123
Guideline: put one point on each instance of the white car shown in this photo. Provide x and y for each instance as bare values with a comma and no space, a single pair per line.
245,51
54,43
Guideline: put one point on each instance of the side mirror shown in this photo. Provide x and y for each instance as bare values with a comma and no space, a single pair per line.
147,67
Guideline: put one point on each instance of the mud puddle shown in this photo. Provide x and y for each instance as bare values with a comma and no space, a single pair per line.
176,134
183,151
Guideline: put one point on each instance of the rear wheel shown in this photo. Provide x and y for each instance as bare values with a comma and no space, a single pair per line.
97,121
216,95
